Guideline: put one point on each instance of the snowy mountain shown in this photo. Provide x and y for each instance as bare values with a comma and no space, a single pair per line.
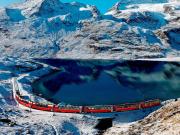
131,29
32,29
128,31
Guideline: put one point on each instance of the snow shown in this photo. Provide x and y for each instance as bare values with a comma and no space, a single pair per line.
84,9
35,122
133,6
39,122
72,30
164,59
132,29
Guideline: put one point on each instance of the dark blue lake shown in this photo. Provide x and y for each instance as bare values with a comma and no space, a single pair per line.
103,82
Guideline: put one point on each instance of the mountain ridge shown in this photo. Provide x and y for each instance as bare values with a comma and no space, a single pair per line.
39,28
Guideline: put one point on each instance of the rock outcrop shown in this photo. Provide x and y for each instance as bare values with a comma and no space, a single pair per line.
165,121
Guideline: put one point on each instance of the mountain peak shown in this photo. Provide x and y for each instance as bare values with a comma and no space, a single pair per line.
115,8
40,7
51,8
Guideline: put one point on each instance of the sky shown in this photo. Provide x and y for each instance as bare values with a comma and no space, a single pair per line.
7,2
102,5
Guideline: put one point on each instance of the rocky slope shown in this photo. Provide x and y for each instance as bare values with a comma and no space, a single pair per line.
165,121
50,28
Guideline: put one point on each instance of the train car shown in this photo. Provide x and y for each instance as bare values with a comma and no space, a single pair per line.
88,109
33,105
150,103
42,107
67,109
126,107
23,102
97,109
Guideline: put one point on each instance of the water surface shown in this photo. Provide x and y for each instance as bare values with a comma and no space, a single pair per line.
102,82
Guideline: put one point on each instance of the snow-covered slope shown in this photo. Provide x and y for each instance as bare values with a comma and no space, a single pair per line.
15,119
164,121
50,28
51,8
33,28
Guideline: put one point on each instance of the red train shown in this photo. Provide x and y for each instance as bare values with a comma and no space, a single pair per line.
136,106
88,109
97,109
68,109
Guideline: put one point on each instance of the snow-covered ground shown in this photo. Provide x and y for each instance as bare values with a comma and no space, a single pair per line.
35,122
26,121
132,29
